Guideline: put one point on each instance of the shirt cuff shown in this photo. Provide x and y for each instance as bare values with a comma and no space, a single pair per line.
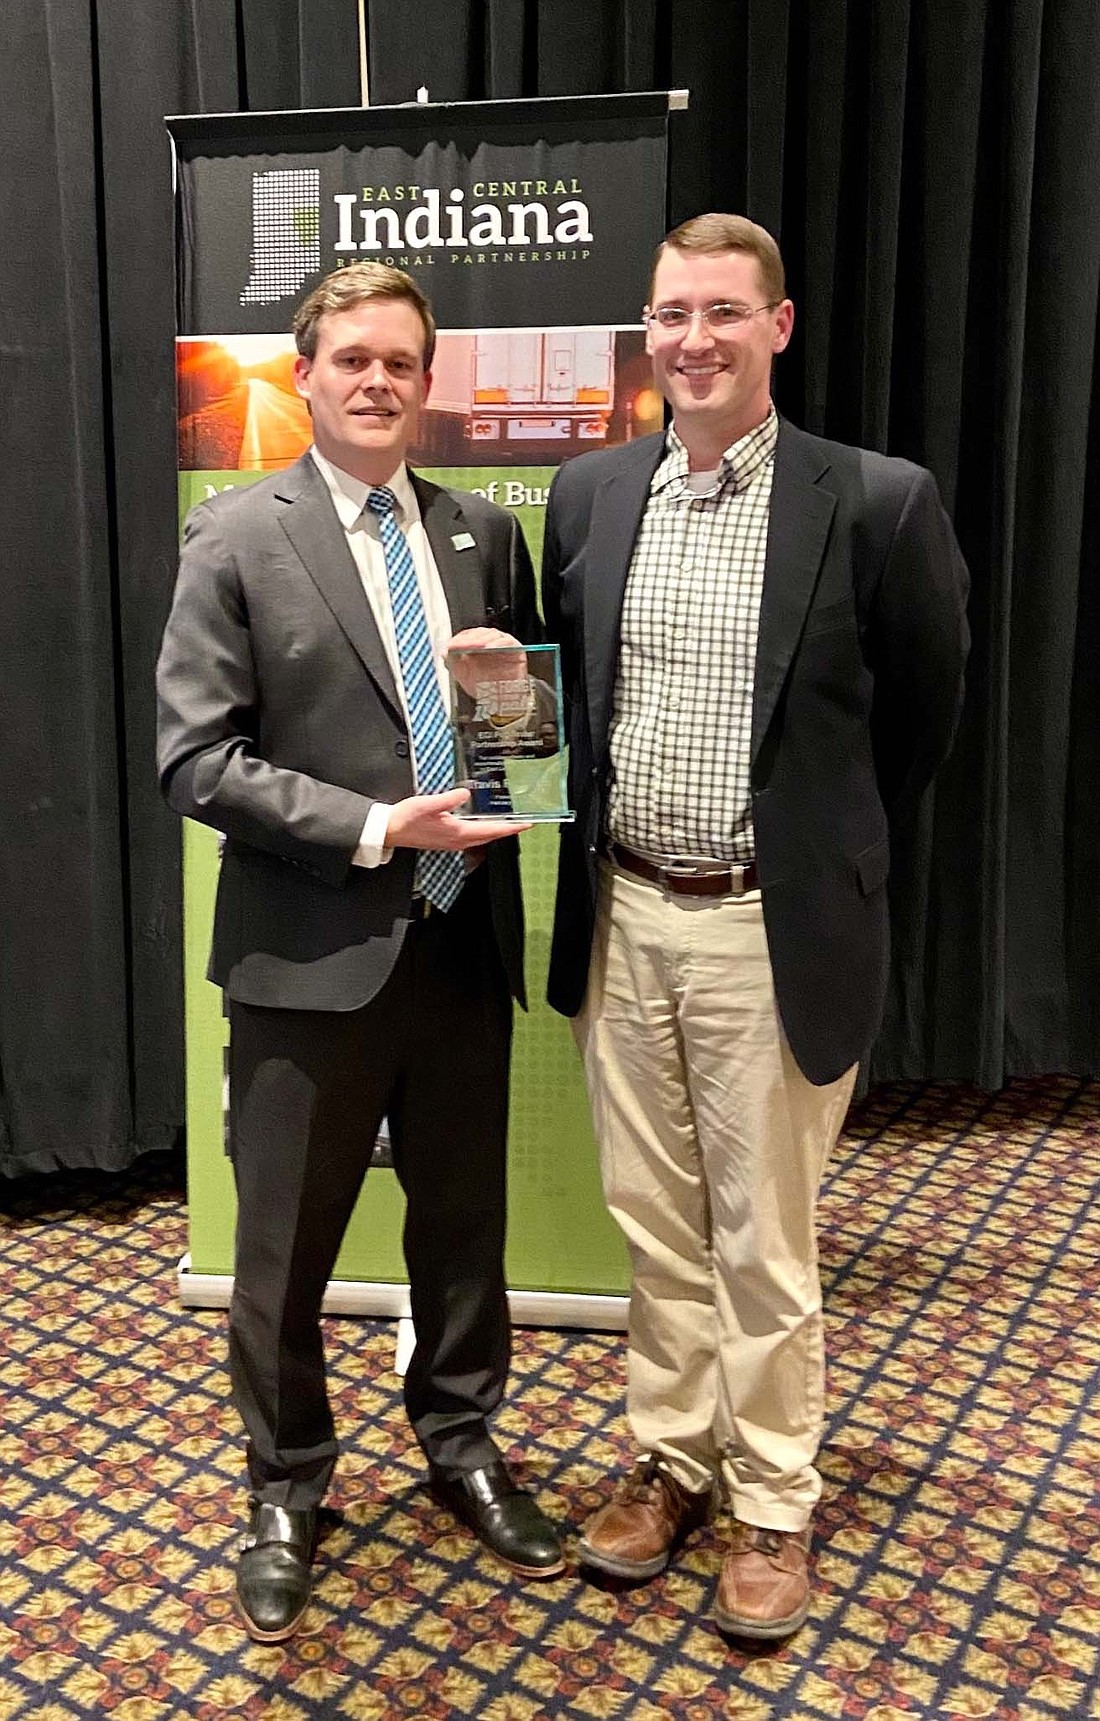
372,850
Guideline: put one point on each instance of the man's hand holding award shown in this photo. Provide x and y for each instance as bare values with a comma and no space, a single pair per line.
506,715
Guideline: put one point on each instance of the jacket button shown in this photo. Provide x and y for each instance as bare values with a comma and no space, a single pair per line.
402,749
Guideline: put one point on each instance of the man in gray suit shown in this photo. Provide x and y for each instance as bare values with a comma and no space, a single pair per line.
369,940
762,646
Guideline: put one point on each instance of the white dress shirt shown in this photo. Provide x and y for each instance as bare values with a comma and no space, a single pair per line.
364,541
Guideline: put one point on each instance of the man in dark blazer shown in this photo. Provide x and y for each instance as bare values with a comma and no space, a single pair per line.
763,639
369,940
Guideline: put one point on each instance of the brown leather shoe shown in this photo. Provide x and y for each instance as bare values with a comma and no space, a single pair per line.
634,1534
764,1586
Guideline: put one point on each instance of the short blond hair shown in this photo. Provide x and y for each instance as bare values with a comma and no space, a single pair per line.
357,284
710,235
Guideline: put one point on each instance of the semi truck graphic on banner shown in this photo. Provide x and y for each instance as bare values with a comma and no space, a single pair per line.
519,394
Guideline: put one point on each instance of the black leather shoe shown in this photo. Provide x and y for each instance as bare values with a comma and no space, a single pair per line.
273,1571
503,1517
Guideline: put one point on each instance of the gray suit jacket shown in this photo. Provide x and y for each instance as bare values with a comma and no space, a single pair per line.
279,724
858,684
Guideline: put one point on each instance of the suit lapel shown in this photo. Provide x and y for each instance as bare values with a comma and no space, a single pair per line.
311,523
458,560
799,521
617,510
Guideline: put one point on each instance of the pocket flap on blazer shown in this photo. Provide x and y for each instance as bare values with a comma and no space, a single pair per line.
873,865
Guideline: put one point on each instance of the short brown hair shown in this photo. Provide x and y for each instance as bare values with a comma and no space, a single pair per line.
710,235
356,284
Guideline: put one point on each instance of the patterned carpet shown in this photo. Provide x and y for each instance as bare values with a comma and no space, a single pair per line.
957,1573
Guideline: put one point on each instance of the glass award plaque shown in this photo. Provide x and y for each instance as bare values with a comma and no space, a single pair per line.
506,716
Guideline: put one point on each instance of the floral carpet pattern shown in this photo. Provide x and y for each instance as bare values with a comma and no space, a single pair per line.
956,1557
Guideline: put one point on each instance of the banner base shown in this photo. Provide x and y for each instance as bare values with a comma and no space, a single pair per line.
584,1311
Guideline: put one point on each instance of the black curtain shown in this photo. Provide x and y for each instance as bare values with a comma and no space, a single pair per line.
91,1036
929,169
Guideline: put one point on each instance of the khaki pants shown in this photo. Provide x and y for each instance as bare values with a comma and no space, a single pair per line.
712,1147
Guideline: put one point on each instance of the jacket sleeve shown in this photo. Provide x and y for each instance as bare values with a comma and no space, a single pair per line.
917,642
526,621
210,723
557,629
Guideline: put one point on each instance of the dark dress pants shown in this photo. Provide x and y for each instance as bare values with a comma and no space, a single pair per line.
308,1091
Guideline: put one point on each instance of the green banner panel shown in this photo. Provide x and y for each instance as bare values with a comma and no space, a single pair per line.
560,1235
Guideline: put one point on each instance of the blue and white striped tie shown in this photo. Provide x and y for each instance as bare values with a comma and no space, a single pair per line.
439,873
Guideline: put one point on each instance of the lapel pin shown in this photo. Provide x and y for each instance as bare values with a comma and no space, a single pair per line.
463,541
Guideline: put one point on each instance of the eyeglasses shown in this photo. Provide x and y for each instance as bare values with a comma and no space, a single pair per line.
676,319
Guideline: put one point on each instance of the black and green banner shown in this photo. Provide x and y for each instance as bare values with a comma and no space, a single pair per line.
531,227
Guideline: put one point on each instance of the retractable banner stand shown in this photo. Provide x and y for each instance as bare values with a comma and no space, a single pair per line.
531,226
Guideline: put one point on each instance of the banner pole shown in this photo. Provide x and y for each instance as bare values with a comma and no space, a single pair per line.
364,82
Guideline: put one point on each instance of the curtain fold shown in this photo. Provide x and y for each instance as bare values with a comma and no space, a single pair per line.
64,1070
930,173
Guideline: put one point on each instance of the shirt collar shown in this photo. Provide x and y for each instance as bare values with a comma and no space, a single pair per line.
741,463
349,494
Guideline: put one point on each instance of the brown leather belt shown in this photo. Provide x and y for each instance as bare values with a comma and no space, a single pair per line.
684,879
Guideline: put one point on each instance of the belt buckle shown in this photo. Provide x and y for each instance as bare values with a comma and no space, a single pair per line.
674,871
733,875
680,869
